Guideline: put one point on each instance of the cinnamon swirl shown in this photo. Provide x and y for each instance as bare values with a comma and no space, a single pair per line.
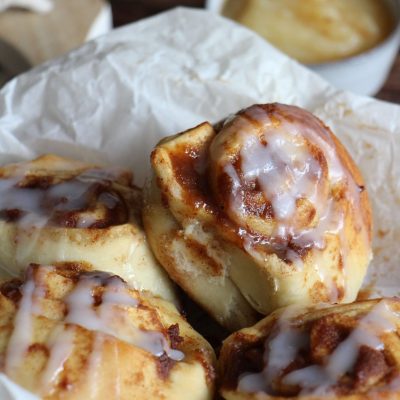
76,334
266,211
348,351
54,209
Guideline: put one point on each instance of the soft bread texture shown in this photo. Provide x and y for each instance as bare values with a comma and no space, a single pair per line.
347,351
265,211
54,209
191,255
66,333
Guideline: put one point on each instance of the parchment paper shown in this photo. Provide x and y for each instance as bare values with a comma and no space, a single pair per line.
111,100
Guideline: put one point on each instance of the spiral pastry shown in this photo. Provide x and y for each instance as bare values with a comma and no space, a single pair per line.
347,351
68,333
59,210
266,211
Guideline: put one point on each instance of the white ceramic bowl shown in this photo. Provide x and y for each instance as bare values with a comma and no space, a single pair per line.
364,73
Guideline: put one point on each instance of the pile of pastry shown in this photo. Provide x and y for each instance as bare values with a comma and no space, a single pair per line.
262,220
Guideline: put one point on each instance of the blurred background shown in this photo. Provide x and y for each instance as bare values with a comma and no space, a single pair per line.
34,31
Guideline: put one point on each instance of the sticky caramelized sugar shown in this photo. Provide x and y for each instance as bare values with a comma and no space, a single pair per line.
11,289
189,164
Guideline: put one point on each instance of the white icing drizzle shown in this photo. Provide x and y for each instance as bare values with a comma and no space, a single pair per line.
103,319
317,380
282,168
287,171
95,364
20,340
86,221
31,291
22,333
39,205
279,352
117,378
61,345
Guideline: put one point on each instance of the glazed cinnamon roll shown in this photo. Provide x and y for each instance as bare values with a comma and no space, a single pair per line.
265,211
59,210
74,334
347,351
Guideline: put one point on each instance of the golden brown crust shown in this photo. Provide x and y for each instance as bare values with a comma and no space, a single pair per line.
365,205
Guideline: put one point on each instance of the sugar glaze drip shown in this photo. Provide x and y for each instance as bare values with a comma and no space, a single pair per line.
317,380
287,171
22,333
21,336
291,158
61,345
39,203
103,319
282,350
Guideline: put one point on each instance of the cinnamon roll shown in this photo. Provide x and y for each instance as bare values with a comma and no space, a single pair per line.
264,211
69,333
54,209
349,351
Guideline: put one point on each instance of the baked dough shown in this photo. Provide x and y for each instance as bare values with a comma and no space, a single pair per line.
265,211
54,209
67,333
348,351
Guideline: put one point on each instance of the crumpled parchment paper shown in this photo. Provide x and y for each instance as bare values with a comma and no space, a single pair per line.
111,100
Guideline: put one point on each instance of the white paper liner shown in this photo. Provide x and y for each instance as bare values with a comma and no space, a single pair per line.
111,100
9,390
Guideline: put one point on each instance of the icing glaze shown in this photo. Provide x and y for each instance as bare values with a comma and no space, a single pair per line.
287,340
37,201
104,315
288,157
61,345
22,334
103,319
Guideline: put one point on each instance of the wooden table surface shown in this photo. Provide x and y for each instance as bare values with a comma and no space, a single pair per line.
125,11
